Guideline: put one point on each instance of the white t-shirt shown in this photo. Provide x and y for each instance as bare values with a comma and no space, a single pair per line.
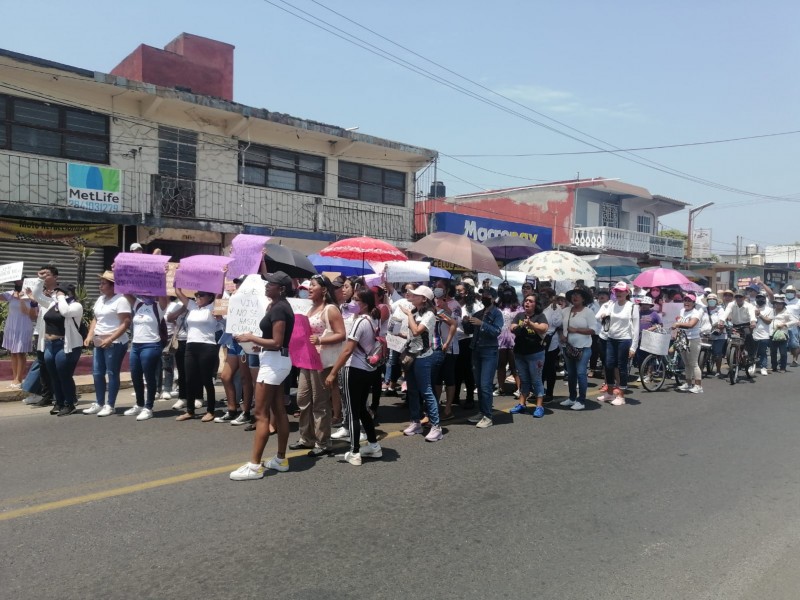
762,330
145,323
201,324
623,323
415,343
554,321
583,320
688,315
107,312
363,333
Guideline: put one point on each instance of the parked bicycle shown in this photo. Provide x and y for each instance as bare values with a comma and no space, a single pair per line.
657,368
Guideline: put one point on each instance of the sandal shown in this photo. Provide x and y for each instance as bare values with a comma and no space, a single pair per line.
185,417
208,417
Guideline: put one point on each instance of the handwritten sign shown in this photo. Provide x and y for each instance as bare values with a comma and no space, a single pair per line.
140,274
304,355
202,272
246,308
29,283
395,342
220,307
246,252
402,271
11,272
300,306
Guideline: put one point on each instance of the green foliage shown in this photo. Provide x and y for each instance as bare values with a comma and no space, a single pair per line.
675,234
3,315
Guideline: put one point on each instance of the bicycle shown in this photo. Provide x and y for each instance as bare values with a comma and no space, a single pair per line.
738,356
706,359
656,368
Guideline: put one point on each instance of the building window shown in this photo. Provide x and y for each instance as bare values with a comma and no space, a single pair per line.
282,169
53,130
370,184
643,224
177,168
609,215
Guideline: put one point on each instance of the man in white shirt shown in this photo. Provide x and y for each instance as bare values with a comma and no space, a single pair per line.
793,306
741,314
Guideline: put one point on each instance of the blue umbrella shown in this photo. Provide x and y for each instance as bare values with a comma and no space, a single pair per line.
345,266
438,273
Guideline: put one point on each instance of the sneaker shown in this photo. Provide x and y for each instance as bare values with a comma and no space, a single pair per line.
93,409
32,399
198,404
106,411
604,387
604,397
372,450
179,405
144,415
721,376
484,423
567,402
248,471
362,437
538,412
227,417
414,428
794,363
174,394
577,405
516,394
435,434
618,401
133,411
278,464
55,409
67,410
475,418
696,389
340,434
166,396
684,387
496,393
241,419
354,458
518,409
763,371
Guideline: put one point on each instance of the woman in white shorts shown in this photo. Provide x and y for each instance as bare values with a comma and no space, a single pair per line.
275,364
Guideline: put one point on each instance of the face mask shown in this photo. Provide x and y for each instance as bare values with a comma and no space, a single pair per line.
761,302
18,287
302,294
487,302
712,303
790,296
459,297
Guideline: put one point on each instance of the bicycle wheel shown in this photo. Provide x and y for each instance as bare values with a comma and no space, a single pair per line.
705,362
653,372
733,370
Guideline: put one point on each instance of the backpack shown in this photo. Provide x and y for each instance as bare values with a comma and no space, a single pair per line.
380,351
83,328
162,324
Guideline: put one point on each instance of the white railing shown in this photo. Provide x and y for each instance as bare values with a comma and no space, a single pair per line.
623,240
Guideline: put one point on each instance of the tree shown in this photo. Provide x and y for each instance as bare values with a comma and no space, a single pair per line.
675,234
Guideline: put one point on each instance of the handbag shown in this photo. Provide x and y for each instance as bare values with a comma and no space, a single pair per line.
174,343
328,353
570,350
779,336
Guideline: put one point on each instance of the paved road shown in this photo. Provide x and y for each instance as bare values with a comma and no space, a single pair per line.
673,496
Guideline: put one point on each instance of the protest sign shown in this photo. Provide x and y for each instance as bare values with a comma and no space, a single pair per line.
395,342
140,274
671,311
11,272
302,352
28,283
373,280
402,271
246,308
202,273
300,306
220,307
246,252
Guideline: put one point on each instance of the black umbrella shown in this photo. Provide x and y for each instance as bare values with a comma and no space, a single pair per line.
293,263
506,248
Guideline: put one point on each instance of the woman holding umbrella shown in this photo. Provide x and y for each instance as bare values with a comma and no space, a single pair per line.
579,324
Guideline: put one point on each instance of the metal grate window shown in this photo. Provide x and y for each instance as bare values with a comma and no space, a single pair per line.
609,215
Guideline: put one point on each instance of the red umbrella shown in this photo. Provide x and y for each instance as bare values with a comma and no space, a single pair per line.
363,249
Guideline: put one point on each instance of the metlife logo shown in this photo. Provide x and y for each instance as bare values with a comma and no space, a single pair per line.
93,188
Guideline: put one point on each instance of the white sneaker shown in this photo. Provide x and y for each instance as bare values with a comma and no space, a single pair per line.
763,371
133,411
578,405
277,464
372,450
340,434
684,387
145,414
32,399
198,404
174,394
106,410
567,402
354,458
618,401
362,437
241,420
696,389
604,397
484,423
93,409
247,471
166,396
179,405
496,393
516,394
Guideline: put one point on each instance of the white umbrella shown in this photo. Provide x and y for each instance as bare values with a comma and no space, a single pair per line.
556,265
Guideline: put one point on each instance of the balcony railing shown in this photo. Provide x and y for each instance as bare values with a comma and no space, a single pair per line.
43,182
611,238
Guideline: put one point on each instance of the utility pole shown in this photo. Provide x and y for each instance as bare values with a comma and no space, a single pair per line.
692,213
737,249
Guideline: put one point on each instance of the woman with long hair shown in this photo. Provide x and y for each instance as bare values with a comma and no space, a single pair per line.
508,303
579,324
275,365
62,347
313,396
18,331
236,361
358,377
530,328
465,296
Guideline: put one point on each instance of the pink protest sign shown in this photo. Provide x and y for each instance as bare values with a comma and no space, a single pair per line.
246,252
140,274
303,354
202,272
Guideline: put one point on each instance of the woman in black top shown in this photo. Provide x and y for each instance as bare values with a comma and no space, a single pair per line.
275,365
529,328
63,343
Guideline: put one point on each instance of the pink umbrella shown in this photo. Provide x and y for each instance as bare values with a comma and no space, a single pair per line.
660,278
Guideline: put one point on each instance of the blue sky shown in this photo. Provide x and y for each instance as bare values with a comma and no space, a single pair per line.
631,74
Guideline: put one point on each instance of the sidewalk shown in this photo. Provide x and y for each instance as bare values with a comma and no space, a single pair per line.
84,383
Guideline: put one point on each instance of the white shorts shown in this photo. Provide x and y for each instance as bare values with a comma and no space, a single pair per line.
274,368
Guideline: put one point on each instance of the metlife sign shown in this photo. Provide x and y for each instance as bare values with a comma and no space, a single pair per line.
480,229
93,188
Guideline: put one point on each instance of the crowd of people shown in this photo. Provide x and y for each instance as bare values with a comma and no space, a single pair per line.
450,337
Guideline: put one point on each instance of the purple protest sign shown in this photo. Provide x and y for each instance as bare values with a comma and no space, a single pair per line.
140,274
303,353
246,252
202,272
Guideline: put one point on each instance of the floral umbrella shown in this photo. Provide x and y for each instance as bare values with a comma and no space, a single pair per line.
555,265
363,249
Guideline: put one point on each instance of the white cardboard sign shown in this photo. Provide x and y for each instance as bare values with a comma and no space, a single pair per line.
246,308
11,272
404,271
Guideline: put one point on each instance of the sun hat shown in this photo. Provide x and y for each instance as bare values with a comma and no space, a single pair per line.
779,298
646,300
712,297
423,290
587,297
108,276
789,288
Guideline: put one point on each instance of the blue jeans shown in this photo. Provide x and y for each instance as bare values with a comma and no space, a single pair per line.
529,367
576,375
32,382
145,363
420,389
61,365
617,358
762,346
775,349
484,366
107,362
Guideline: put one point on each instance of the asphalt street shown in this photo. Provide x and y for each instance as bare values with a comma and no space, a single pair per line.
672,496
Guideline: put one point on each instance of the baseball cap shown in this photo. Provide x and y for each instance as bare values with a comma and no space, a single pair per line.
469,281
304,285
620,286
279,278
707,290
423,290
689,296
136,246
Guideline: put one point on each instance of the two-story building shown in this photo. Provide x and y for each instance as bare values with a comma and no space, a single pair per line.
158,152
587,216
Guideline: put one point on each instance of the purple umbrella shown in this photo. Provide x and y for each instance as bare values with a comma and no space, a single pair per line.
506,248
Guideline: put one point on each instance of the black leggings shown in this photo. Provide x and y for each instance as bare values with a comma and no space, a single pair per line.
376,388
549,371
464,374
180,364
199,362
356,385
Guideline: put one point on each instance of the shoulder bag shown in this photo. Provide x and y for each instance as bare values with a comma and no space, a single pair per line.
328,353
570,350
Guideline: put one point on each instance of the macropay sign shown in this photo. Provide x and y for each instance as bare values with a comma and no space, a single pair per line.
480,229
